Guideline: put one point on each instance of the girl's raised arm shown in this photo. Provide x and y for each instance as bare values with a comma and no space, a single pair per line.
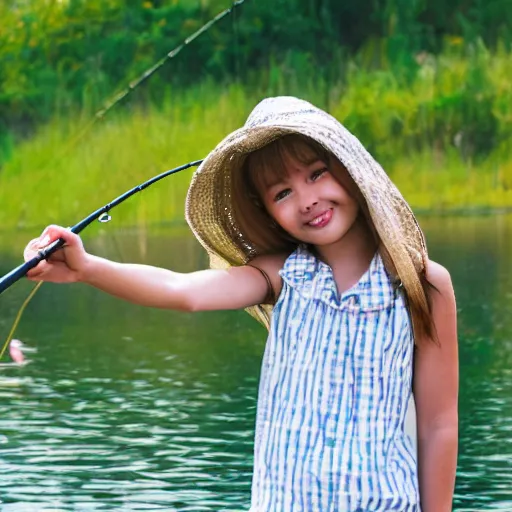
237,287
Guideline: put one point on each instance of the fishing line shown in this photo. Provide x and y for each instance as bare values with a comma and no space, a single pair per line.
18,318
103,215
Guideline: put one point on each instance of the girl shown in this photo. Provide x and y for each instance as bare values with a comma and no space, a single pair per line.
306,230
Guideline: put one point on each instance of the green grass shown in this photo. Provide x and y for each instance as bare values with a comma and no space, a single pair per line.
443,136
49,180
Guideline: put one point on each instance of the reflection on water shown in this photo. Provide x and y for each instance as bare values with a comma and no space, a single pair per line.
126,408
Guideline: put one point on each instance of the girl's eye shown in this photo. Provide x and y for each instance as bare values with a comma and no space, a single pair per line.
282,194
319,172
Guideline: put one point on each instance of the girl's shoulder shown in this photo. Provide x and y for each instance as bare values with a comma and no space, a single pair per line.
439,277
298,262
271,264
274,264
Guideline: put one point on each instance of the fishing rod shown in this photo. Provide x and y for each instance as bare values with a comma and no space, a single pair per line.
101,214
16,274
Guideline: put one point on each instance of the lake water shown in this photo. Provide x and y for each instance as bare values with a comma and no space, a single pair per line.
126,408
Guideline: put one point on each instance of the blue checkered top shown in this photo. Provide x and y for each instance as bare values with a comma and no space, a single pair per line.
335,382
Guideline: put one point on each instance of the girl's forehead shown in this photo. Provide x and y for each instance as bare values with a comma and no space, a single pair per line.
300,153
292,165
285,163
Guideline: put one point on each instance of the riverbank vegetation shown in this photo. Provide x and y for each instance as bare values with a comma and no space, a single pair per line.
427,91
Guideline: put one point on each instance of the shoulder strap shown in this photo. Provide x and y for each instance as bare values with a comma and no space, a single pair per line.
270,298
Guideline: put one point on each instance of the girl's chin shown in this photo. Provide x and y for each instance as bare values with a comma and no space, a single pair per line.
324,239
328,235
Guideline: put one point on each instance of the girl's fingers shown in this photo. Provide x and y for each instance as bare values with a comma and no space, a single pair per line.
40,270
34,246
56,272
48,236
32,249
52,233
57,256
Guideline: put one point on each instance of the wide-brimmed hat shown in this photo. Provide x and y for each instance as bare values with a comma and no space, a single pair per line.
209,205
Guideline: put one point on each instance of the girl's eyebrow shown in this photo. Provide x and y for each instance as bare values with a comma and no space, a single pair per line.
314,161
317,161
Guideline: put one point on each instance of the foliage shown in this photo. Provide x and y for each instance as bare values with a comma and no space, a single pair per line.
57,55
454,100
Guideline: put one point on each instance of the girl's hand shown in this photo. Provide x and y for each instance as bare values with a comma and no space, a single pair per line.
66,265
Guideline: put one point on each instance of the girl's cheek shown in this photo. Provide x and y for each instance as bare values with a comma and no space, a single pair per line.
280,213
272,209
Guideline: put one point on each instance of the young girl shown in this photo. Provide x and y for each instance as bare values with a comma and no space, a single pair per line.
306,230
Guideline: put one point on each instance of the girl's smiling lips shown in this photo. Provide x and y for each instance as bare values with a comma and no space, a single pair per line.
321,220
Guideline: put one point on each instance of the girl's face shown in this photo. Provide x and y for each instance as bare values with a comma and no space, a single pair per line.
309,203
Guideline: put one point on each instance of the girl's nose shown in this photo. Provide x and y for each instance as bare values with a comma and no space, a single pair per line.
307,197
308,204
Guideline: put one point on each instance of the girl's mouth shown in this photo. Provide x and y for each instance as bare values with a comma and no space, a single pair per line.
322,220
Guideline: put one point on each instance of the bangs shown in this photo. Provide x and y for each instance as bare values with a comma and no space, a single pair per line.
268,165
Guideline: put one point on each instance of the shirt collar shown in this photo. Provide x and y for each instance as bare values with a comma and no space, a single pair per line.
314,279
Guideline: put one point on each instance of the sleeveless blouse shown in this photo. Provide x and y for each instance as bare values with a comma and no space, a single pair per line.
335,383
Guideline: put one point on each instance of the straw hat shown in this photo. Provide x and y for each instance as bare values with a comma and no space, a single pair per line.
209,209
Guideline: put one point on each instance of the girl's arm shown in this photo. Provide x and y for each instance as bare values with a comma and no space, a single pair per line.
436,378
234,288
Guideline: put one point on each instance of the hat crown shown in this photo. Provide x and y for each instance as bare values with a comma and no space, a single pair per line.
278,110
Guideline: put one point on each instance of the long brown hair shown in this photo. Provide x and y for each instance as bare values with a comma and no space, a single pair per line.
269,238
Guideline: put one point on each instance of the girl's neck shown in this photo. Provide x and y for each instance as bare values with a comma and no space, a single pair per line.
351,256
